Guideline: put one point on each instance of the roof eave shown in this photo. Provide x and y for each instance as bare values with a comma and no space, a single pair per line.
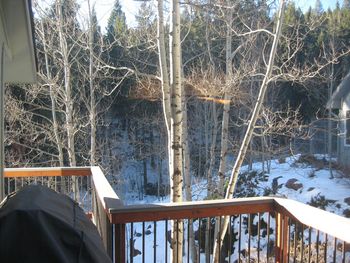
20,61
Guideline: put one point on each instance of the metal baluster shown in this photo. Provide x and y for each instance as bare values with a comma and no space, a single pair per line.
249,234
309,259
239,240
335,250
166,241
325,247
143,242
317,240
9,190
302,244
230,239
295,242
258,237
199,239
220,239
177,238
132,243
289,236
154,241
268,237
343,256
188,240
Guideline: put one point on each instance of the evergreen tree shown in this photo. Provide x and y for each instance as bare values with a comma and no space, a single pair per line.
145,16
337,5
116,22
115,36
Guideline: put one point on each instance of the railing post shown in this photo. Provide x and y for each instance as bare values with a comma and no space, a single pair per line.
101,220
119,242
281,246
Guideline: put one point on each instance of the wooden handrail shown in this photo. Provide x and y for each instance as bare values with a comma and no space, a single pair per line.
316,218
194,209
104,190
118,213
47,171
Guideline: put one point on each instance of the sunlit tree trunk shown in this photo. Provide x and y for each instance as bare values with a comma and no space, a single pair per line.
92,90
164,74
226,107
176,175
53,109
187,179
69,110
246,140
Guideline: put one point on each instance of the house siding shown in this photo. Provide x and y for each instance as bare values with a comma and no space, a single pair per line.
344,149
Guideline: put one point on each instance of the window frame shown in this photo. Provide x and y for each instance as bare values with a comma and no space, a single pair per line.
347,128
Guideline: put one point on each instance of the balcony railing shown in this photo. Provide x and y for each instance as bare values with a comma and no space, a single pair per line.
261,229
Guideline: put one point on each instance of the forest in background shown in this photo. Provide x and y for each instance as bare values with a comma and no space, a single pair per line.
192,90
98,100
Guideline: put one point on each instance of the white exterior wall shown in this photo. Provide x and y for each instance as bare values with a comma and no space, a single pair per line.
344,149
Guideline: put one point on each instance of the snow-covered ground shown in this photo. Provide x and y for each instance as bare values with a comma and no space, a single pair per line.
311,183
315,182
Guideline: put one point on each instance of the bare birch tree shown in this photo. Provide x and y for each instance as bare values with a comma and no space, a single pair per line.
65,50
173,113
250,129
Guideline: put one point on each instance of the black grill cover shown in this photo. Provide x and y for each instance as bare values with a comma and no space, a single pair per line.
39,225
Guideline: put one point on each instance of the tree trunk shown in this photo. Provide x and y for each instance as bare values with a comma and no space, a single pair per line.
212,149
176,175
166,89
187,178
68,99
92,91
250,129
330,92
227,100
53,111
224,143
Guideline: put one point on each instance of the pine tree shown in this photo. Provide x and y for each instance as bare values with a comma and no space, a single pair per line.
116,22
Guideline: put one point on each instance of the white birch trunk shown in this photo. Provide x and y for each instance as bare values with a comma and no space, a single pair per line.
53,101
164,78
227,100
176,126
68,99
53,111
250,129
92,91
187,178
330,92
210,187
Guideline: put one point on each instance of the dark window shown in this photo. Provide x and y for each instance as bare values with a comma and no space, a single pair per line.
347,124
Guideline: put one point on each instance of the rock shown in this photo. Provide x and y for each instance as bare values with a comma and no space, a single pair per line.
136,252
347,200
293,184
310,189
346,213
